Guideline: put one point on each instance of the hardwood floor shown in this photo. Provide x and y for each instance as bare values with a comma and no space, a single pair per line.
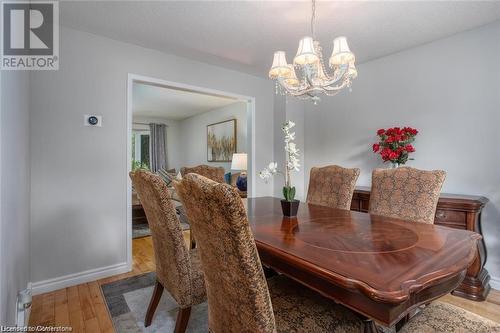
82,307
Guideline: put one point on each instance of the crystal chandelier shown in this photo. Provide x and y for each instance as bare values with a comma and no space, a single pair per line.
308,77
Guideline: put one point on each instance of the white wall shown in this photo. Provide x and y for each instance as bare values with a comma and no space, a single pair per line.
79,174
194,133
15,187
174,150
450,91
278,145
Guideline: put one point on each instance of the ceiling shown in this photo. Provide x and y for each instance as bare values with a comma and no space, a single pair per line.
163,102
243,35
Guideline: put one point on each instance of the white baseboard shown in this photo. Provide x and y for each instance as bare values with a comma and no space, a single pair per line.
495,282
22,310
65,281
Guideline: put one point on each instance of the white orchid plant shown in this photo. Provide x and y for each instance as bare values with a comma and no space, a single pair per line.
291,163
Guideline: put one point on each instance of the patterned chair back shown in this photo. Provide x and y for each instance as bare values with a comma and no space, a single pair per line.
332,186
173,266
406,193
238,297
214,173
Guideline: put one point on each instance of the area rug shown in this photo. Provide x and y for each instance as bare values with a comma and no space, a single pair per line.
140,230
128,300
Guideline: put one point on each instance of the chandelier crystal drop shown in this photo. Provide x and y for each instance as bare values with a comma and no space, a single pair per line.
308,77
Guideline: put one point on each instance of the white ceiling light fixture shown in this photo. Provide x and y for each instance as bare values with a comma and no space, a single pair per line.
308,77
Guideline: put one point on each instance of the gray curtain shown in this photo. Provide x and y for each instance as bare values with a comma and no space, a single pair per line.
157,147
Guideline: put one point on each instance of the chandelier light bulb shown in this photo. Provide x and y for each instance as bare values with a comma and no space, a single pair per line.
352,71
292,80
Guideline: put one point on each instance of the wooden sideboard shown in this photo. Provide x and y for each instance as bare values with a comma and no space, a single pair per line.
455,211
138,214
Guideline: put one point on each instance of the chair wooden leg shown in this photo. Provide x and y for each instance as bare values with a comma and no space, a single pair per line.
182,320
153,303
191,239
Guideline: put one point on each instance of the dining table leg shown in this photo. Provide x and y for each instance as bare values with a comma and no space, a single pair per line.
369,326
402,322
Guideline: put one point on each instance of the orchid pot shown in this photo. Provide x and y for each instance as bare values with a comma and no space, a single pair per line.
289,208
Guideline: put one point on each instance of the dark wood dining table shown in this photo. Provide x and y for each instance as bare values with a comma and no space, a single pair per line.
382,268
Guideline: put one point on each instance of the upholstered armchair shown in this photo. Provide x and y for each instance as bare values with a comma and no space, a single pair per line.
406,193
239,297
177,268
214,173
332,186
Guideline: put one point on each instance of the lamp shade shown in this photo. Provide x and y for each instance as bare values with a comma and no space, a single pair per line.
279,67
239,161
305,53
341,54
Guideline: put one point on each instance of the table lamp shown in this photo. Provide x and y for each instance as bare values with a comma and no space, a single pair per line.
239,163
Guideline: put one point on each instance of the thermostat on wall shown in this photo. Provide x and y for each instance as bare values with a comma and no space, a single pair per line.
92,120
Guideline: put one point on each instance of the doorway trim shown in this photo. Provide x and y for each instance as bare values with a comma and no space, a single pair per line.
250,102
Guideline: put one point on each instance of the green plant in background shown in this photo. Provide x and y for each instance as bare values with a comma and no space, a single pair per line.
138,165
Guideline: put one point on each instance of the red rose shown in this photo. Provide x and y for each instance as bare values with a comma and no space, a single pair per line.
409,148
391,145
385,153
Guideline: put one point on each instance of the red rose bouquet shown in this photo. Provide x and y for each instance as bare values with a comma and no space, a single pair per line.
395,144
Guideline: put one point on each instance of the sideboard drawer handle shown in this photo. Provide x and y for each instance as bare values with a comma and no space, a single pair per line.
440,214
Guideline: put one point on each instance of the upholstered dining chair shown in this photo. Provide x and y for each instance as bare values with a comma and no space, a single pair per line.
214,173
239,298
406,193
332,186
177,268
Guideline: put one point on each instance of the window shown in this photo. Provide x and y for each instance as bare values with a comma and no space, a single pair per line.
140,149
